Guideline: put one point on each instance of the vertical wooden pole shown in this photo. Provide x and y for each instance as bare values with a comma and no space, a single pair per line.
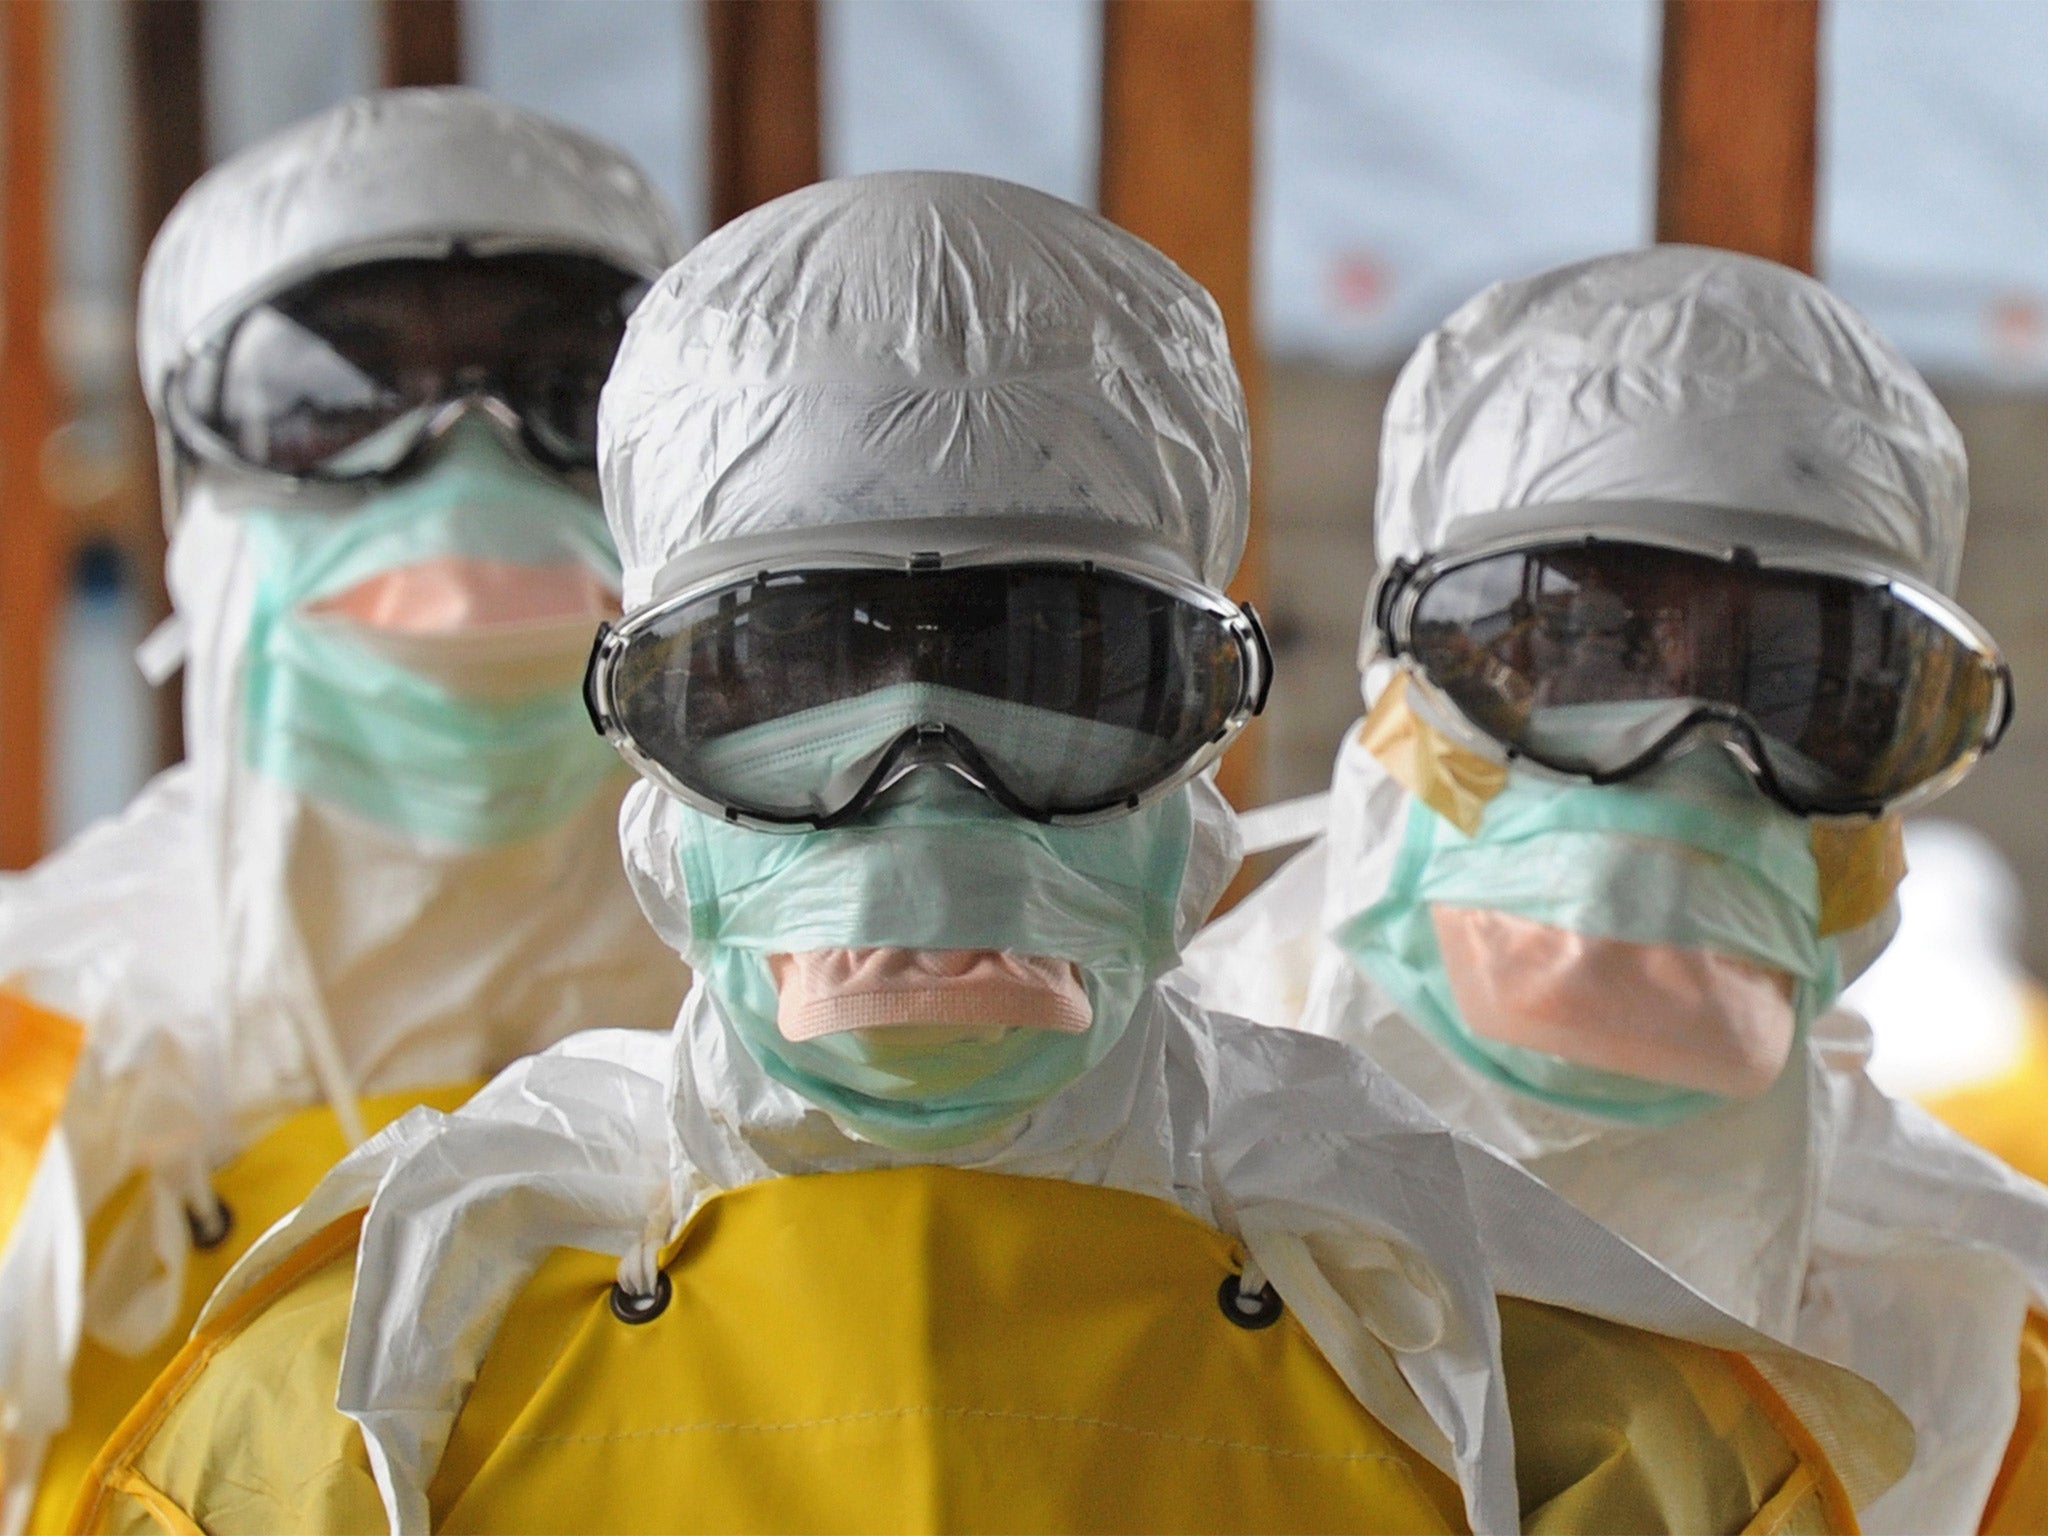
764,101
1176,170
422,42
29,542
167,79
1737,146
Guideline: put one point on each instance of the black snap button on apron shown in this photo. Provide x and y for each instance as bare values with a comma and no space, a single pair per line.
628,1308
1254,1310
210,1229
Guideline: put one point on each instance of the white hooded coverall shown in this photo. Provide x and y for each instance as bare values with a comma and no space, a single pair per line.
1821,1212
227,953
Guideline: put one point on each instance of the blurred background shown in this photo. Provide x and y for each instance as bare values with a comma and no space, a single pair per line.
1340,172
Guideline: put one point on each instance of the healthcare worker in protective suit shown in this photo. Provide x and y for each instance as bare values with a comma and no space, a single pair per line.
927,488
1662,645
373,347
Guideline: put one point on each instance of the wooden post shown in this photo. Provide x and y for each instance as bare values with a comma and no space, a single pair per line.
764,101
1736,150
1176,170
30,549
422,42
167,74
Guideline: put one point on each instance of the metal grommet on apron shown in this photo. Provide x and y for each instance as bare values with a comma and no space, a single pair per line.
1249,1309
629,1308
211,1228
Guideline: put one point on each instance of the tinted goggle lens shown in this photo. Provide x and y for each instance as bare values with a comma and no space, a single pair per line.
340,375
1078,690
1585,657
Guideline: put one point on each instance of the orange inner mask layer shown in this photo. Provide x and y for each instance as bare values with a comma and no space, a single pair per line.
1658,1013
831,991
456,592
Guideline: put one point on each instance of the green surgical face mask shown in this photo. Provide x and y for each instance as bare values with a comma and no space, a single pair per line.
1691,864
388,727
939,867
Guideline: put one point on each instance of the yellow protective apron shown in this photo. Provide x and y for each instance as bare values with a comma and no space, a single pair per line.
263,1183
931,1350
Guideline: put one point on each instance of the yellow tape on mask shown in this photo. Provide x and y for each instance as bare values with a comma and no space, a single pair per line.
38,1053
1861,863
1451,780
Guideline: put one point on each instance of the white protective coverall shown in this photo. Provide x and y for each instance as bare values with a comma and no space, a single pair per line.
231,950
936,345
1822,1212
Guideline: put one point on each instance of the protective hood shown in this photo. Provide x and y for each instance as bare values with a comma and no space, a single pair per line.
941,349
1672,375
393,166
923,345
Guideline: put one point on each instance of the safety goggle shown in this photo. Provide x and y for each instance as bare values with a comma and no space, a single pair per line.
791,697
1843,692
345,374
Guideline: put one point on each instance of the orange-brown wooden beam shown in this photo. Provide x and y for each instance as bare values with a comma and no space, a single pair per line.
764,101
167,74
1176,170
1737,147
30,546
422,42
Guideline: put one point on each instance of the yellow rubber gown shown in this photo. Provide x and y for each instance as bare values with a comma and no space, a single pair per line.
258,1187
934,1349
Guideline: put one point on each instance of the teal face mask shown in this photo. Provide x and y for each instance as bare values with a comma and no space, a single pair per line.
472,739
1667,930
938,868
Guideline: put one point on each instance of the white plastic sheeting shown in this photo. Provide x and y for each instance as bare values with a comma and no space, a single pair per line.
1413,151
1003,89
1934,220
628,71
268,65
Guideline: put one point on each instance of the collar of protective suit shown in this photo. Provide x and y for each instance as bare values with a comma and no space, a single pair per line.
1363,1210
1822,1213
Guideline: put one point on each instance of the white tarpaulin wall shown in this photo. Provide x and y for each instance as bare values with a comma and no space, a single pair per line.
1934,151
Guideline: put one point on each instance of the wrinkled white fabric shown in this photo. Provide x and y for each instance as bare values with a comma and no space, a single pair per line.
1360,1207
1821,1213
1675,375
235,951
921,345
389,167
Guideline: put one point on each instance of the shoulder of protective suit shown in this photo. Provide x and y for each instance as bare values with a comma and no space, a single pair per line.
388,166
1308,1082
923,345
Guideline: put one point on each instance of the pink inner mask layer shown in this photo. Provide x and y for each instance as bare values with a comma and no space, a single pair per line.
1667,1014
456,592
831,991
